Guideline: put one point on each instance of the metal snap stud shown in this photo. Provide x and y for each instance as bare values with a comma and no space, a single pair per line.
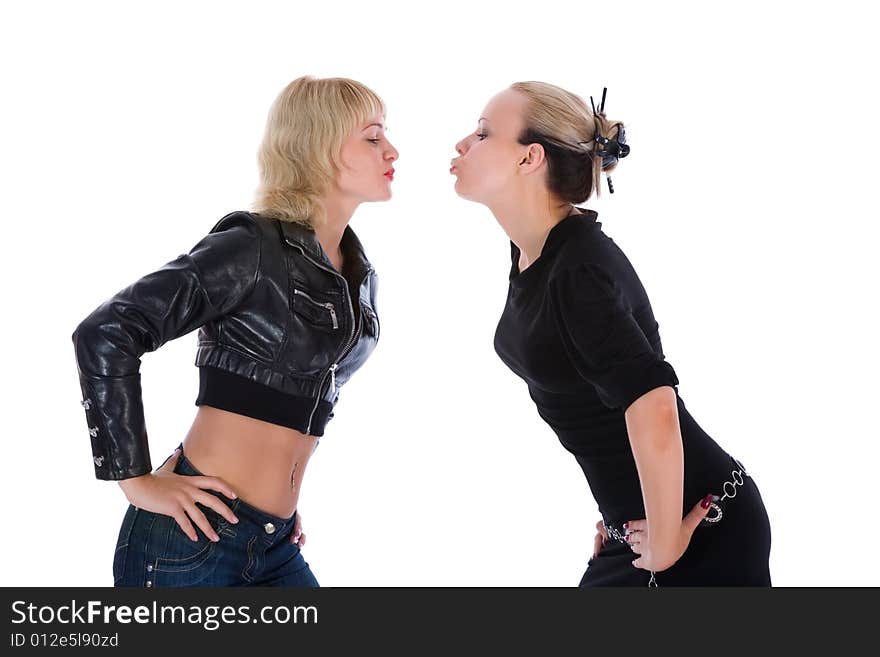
149,567
269,527
149,583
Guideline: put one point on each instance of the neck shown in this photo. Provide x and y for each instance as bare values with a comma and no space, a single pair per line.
528,220
338,211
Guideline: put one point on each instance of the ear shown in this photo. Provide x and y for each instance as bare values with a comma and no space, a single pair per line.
532,158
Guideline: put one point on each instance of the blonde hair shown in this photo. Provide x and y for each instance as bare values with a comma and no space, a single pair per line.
299,154
560,120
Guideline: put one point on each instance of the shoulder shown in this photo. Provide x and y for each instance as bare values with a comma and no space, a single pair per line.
583,280
590,263
243,222
241,230
583,244
236,239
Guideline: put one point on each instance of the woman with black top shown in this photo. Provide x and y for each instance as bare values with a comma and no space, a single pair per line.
285,302
578,328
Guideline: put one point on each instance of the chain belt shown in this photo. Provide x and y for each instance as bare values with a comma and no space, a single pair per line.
728,489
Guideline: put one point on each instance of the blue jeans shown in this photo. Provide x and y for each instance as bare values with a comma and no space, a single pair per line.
152,549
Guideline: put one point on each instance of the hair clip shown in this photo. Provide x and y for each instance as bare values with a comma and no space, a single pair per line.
602,104
610,150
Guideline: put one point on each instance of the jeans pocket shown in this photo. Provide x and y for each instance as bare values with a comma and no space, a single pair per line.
183,562
122,542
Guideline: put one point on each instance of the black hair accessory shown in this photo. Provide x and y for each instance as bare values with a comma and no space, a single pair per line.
611,150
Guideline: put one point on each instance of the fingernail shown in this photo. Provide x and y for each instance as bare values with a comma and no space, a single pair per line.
215,538
625,525
235,520
706,501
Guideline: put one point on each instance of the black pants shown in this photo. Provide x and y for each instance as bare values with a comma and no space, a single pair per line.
735,551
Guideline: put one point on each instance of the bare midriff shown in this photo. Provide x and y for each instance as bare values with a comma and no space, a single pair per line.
263,462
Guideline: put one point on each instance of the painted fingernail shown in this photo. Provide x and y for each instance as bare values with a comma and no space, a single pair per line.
625,525
706,501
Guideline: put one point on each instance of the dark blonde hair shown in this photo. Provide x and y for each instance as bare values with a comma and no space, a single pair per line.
564,125
299,154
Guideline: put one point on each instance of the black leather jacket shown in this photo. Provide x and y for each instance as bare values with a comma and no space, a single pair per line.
269,306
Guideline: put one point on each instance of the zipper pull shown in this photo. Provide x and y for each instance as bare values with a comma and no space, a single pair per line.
333,375
332,314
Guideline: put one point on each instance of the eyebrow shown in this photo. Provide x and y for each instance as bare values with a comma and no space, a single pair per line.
372,124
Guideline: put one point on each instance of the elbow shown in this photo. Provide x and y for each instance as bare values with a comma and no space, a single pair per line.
660,405
82,331
83,335
106,347
90,345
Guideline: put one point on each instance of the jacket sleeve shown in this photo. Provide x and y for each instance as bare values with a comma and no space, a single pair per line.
212,279
602,338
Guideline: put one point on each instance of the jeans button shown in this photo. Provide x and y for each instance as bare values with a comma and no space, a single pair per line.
269,527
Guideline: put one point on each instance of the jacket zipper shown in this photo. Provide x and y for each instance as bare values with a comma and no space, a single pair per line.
351,340
329,306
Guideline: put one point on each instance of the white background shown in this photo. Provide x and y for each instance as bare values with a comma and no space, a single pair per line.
747,207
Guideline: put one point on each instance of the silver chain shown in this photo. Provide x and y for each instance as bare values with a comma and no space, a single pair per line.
736,475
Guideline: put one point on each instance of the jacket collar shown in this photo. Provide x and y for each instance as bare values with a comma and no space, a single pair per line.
297,234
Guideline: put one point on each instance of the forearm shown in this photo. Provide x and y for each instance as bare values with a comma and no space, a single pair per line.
655,437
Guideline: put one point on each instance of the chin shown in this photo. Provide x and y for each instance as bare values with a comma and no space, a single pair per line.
467,196
375,195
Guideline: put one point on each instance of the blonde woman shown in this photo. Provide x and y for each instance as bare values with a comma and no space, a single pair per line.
579,329
284,298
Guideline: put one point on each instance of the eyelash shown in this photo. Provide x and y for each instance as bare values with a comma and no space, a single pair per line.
482,135
375,141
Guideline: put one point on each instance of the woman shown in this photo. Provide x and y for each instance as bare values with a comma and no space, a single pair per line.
285,302
578,328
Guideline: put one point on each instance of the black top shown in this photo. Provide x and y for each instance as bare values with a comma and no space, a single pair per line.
579,329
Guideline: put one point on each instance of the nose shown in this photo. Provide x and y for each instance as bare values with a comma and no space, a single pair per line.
459,147
391,154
